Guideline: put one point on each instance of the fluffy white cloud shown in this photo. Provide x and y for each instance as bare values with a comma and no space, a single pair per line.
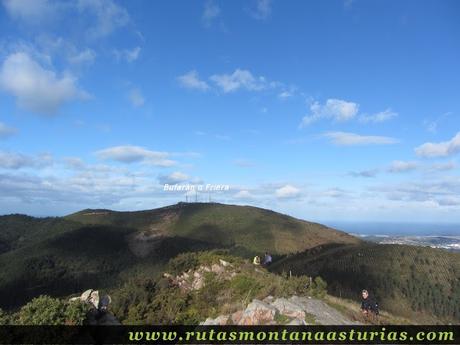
30,11
402,166
191,80
351,139
135,154
36,88
211,11
6,131
442,149
240,79
334,109
109,16
263,9
14,160
136,97
128,55
287,192
383,116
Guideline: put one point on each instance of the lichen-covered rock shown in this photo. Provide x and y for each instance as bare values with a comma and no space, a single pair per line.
258,313
289,308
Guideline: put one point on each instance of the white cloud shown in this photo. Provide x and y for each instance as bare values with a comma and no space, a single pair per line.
109,16
36,88
74,163
383,116
263,9
285,94
6,131
402,166
440,192
191,80
442,166
334,109
351,139
287,192
364,173
86,56
211,11
50,47
136,98
240,79
442,149
127,54
30,11
14,160
134,154
175,177
244,195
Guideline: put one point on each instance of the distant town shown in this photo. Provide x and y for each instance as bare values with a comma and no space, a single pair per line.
451,243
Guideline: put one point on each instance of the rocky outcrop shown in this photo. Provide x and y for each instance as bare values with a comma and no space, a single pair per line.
98,313
195,280
258,313
293,311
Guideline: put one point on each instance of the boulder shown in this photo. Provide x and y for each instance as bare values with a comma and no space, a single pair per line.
218,269
85,295
224,263
289,308
218,321
258,313
198,283
94,299
268,299
236,317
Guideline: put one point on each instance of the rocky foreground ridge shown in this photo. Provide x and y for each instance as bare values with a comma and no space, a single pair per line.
292,310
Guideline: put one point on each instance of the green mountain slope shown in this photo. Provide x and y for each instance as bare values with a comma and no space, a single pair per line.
407,280
252,228
103,248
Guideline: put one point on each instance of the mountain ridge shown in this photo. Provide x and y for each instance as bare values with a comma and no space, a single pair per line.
100,248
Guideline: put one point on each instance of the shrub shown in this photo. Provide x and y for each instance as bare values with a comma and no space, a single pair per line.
42,310
183,262
320,287
4,319
45,310
76,313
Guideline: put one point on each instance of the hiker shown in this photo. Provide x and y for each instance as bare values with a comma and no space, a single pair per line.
368,304
267,259
256,260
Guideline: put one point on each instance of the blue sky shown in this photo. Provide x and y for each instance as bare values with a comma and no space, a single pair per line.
325,110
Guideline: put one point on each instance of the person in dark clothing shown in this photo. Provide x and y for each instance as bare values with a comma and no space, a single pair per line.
368,304
267,259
